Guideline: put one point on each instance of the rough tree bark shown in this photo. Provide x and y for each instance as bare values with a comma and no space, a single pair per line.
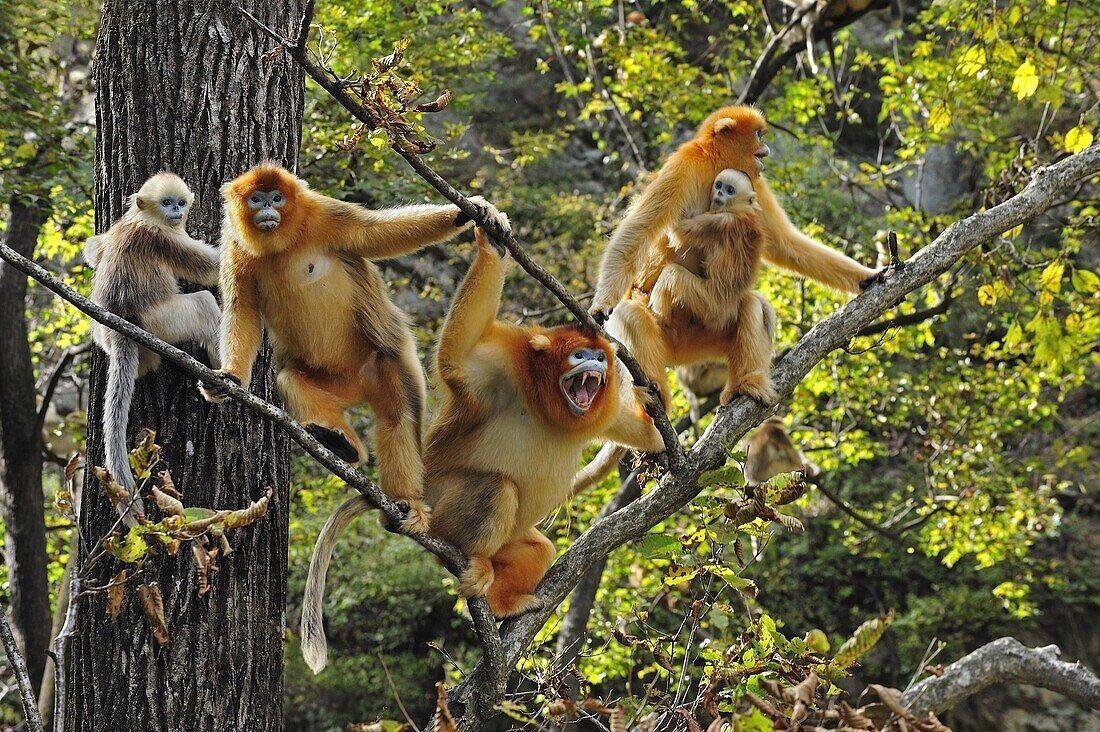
182,86
20,452
1003,661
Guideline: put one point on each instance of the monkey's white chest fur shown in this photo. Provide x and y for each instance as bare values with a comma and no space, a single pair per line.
312,270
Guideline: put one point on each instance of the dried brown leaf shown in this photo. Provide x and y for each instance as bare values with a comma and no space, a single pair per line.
72,466
739,552
854,718
168,485
203,561
890,697
560,707
116,593
441,103
618,719
595,706
153,603
116,494
63,502
444,722
250,515
692,725
273,54
167,503
768,709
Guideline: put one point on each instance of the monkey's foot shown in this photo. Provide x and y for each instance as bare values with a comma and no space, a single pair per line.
477,578
217,394
335,441
506,607
417,517
757,385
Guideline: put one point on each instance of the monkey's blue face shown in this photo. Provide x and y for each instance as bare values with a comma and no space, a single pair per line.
174,210
731,185
585,377
266,205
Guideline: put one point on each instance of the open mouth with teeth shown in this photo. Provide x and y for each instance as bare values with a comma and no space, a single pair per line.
581,386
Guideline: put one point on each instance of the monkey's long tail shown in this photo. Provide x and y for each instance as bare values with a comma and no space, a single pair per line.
122,371
598,469
314,645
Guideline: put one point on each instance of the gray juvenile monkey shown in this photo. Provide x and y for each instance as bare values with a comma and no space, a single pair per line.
137,262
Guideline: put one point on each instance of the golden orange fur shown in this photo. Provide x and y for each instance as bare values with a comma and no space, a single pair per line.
770,452
702,305
500,455
338,339
644,248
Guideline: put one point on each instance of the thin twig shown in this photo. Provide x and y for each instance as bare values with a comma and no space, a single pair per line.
52,381
843,506
19,667
396,696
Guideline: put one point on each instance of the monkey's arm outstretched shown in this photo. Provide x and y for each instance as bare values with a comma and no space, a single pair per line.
654,209
241,329
192,259
385,233
789,248
473,311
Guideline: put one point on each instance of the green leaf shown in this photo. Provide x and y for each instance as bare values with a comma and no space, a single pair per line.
26,151
729,474
1084,281
653,546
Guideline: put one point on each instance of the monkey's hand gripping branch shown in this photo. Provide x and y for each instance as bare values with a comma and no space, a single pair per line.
451,557
501,235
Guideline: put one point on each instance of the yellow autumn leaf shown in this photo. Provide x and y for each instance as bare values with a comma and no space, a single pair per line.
1051,278
973,61
1078,139
939,118
1026,80
987,295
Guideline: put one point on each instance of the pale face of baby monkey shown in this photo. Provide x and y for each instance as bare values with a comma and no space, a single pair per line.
167,196
733,192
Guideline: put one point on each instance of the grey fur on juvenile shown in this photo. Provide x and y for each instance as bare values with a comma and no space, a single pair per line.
137,263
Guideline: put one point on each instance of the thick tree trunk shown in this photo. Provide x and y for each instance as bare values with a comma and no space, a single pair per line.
182,86
21,453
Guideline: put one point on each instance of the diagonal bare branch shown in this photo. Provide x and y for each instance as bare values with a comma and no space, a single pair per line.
22,678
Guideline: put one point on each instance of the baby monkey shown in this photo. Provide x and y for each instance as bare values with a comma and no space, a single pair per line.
137,262
702,306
